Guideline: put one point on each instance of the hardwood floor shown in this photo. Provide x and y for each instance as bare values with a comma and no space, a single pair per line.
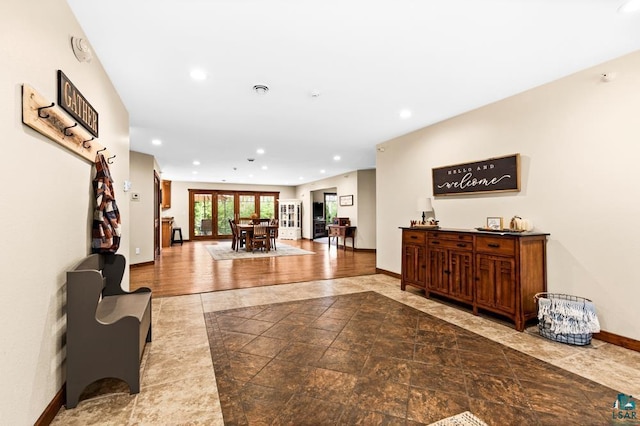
189,269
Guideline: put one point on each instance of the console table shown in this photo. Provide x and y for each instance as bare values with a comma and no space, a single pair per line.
344,232
496,272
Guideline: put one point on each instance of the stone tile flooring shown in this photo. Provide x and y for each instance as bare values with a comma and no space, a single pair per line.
179,385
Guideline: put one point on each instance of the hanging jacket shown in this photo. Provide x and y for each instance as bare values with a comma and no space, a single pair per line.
106,217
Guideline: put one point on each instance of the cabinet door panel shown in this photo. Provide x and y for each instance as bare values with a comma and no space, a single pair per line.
461,274
438,270
505,285
485,283
413,265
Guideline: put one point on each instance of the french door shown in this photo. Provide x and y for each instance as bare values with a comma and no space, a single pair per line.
211,210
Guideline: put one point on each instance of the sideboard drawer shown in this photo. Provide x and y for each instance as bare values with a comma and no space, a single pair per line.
496,245
414,237
453,236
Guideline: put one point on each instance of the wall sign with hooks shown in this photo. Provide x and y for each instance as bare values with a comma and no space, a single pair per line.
50,120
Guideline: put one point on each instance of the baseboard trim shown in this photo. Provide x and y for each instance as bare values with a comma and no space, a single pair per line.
389,273
136,265
52,409
617,340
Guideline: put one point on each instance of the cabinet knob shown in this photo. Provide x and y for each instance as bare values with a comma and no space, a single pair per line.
413,237
435,242
461,245
493,245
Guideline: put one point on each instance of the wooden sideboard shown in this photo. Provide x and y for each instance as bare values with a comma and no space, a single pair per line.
496,272
344,232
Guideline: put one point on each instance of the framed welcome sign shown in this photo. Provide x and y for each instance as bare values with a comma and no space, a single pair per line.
497,174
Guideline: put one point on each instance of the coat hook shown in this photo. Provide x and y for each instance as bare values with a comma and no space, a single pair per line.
110,158
67,128
45,107
100,150
86,145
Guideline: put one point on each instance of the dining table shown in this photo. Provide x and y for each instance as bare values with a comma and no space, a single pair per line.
247,228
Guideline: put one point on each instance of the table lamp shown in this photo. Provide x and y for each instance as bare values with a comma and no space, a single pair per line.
424,206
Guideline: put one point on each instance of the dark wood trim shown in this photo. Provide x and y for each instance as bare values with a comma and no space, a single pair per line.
136,265
617,340
389,273
52,409
363,250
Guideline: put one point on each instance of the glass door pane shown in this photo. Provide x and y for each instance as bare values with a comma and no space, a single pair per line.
330,207
225,210
267,207
202,215
247,205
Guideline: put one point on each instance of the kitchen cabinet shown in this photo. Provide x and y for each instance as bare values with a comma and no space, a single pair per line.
166,194
493,272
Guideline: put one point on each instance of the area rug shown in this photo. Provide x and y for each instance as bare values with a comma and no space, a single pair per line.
223,251
462,419
364,358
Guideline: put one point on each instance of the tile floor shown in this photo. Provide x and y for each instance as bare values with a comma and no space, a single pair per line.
179,384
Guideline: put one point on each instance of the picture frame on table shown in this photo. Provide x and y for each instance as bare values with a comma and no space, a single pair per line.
494,223
346,200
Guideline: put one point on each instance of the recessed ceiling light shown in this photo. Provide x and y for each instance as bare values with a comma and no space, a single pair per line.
198,75
156,142
323,171
301,177
196,163
264,167
260,151
630,6
405,113
250,176
195,172
336,157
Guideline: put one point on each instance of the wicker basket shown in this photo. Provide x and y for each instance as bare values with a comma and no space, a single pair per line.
571,339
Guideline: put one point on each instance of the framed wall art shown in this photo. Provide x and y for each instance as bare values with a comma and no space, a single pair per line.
499,174
346,200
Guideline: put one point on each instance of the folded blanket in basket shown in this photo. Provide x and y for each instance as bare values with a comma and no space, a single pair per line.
568,316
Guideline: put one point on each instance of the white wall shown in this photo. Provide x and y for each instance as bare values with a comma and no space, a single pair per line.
180,198
142,227
579,142
47,200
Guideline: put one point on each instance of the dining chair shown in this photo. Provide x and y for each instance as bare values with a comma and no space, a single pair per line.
273,232
239,237
260,237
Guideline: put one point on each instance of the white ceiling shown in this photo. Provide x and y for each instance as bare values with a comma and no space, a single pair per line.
368,60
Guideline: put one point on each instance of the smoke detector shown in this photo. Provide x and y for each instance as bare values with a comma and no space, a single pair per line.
81,49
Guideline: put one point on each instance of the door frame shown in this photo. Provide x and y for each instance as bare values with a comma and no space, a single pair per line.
214,206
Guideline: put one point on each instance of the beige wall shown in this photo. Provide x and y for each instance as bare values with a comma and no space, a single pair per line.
366,194
47,200
579,142
141,176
